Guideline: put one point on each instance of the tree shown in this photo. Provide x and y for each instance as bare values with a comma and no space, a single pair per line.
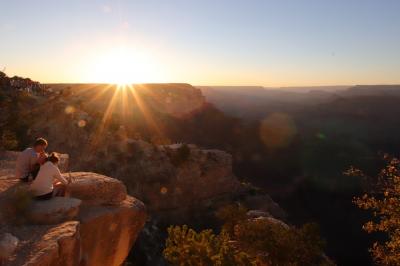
384,203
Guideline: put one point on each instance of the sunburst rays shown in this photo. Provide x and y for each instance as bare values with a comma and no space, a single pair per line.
124,101
144,109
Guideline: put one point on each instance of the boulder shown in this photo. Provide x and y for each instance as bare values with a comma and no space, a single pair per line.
102,235
8,244
96,189
263,202
108,232
53,211
272,220
59,246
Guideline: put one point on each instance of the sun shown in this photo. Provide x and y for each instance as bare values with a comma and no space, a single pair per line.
123,67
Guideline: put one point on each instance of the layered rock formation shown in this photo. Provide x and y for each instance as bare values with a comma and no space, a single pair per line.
178,181
96,225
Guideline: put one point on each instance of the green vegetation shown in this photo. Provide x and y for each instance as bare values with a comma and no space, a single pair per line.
184,246
384,203
244,241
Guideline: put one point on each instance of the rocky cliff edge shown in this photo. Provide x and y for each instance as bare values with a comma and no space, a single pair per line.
96,225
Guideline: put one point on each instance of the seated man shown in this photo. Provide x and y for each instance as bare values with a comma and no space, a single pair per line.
42,187
29,161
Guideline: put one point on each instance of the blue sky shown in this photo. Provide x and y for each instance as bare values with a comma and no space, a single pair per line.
253,42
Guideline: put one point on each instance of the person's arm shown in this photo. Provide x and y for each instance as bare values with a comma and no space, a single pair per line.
59,177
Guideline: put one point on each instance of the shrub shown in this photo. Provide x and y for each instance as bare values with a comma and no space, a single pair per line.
246,241
384,202
276,244
231,215
185,246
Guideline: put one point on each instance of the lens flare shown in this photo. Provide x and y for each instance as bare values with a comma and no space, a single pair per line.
277,130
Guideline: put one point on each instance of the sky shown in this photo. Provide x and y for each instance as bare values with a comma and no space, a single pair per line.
203,42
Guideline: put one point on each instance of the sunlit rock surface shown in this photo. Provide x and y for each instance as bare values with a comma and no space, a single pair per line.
108,232
96,189
76,231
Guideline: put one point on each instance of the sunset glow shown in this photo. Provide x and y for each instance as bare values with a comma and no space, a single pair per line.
264,43
123,66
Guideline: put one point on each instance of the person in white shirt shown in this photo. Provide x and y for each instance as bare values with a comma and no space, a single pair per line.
43,186
29,161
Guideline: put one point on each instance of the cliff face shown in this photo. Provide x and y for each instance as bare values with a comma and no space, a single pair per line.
176,181
96,225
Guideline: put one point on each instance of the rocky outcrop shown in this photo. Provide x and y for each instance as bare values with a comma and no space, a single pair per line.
54,211
59,245
96,225
108,232
179,180
175,181
96,189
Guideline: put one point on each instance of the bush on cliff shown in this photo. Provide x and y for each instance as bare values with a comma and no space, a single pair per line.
276,244
243,241
231,215
185,246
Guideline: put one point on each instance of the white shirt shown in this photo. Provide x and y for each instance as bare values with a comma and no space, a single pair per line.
43,183
25,161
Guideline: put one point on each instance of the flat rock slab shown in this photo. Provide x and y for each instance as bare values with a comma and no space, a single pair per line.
97,189
53,211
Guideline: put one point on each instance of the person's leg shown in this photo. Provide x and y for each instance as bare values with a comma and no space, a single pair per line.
59,190
45,196
25,178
